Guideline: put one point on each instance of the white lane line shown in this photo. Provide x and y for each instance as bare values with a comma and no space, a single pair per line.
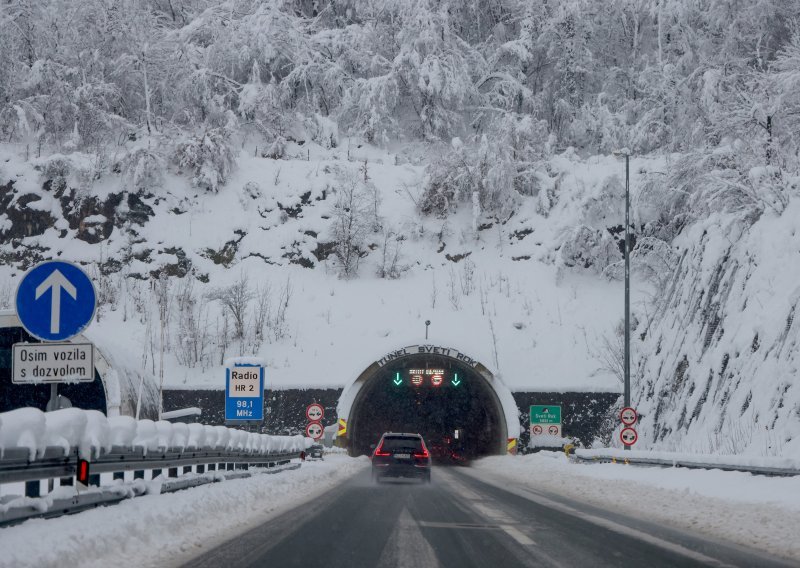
517,535
407,547
479,504
437,525
494,514
605,523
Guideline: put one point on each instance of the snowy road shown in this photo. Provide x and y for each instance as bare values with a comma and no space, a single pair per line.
461,520
157,531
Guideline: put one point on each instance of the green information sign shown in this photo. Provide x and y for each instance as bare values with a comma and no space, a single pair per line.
546,414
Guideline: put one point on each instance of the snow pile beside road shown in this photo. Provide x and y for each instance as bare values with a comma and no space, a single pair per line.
685,457
164,530
757,511
92,433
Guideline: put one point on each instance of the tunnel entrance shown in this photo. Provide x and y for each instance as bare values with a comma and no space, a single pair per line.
447,400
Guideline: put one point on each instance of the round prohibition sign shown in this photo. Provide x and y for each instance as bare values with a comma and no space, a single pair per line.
537,429
315,412
628,436
314,430
553,430
628,416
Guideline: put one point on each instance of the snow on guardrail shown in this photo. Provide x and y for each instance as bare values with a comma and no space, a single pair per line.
92,433
753,464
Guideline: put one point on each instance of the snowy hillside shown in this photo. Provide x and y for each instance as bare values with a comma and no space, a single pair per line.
311,181
261,249
719,363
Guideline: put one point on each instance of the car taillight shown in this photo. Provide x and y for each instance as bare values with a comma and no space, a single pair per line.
423,454
379,452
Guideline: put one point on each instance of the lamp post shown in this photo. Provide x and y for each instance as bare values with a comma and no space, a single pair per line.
627,365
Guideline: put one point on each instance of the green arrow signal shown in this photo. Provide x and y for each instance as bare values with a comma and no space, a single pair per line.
397,380
456,381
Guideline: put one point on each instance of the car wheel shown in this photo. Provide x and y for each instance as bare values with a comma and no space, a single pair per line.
375,477
427,478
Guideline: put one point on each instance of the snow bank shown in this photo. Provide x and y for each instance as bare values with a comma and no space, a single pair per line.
122,430
169,529
548,441
251,361
92,433
756,511
738,460
23,428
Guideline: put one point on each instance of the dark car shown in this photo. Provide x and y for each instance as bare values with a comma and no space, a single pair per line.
401,455
315,452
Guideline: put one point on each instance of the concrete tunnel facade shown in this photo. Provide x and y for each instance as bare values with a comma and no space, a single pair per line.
453,400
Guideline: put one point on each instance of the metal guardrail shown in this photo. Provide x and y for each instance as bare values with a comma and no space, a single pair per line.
686,463
211,465
16,466
104,496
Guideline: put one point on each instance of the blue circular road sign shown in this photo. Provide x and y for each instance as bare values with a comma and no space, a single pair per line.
55,301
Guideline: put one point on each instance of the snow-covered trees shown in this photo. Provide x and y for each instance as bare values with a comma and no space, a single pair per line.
653,75
208,156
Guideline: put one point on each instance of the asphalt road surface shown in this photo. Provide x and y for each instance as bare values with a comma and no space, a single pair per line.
463,520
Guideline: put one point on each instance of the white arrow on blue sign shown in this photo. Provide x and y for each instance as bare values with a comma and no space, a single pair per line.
55,301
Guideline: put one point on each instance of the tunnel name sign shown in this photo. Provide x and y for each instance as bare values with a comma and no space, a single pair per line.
546,419
244,392
427,350
52,363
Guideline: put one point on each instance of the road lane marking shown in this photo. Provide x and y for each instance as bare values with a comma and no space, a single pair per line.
493,514
407,547
605,523
517,535
502,521
438,525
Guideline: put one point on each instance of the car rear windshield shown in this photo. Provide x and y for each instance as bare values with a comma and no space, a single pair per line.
402,443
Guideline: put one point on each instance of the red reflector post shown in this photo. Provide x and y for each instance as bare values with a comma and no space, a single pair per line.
83,472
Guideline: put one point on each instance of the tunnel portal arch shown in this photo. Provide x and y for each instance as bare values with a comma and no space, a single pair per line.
453,400
116,390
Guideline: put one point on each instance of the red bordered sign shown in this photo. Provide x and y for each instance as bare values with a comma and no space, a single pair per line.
314,430
628,416
315,412
628,436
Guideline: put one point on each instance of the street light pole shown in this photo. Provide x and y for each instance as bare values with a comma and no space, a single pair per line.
627,394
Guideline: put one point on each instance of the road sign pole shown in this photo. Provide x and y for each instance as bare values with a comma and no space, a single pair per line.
627,286
53,396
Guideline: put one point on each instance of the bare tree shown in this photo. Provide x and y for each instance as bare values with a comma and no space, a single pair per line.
278,323
391,253
193,334
452,290
262,314
235,300
351,216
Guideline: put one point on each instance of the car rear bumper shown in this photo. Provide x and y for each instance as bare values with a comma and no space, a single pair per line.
388,470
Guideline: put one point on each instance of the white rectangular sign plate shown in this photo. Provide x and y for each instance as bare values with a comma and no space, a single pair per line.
52,363
245,382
